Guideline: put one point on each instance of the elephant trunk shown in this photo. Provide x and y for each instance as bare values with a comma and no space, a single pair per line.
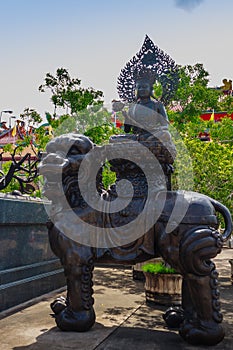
226,216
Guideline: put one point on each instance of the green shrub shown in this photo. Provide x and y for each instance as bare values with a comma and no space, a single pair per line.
14,184
211,163
108,176
158,267
101,134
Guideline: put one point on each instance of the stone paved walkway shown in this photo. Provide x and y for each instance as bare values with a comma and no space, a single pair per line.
124,321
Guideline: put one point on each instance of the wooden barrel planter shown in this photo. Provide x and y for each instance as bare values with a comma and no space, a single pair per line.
162,288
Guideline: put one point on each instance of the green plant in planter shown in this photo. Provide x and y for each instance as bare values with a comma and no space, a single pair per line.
158,267
163,284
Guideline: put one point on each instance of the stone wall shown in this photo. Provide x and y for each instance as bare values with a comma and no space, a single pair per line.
28,268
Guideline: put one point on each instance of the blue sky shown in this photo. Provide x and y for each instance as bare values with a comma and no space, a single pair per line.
94,39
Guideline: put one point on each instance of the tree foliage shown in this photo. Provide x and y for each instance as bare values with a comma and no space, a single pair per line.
92,117
221,131
193,95
212,165
31,116
68,93
211,162
226,104
101,134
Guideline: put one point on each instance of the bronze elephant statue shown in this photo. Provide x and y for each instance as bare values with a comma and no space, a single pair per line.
180,226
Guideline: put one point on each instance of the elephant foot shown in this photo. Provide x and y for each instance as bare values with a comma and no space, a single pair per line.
202,332
76,321
58,305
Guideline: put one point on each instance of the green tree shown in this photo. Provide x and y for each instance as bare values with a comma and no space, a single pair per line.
101,134
157,90
92,117
222,132
96,120
193,95
31,116
226,103
68,93
211,162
